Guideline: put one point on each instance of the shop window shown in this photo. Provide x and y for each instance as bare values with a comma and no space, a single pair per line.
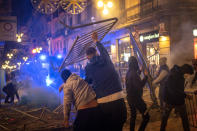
152,56
125,50
195,48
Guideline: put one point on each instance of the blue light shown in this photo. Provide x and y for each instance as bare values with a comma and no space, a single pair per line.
43,57
59,56
48,81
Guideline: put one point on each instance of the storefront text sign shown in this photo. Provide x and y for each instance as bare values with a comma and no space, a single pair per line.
149,37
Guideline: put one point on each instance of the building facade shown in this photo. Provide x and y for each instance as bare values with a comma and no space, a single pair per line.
164,28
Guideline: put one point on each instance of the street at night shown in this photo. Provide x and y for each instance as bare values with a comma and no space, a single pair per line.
98,65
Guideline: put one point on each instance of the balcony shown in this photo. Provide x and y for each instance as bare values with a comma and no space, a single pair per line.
156,7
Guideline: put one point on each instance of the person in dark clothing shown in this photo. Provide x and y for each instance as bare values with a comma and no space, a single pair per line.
101,73
134,88
161,78
174,95
11,91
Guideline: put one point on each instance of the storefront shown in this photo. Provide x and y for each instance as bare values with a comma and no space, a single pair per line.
195,43
125,50
151,42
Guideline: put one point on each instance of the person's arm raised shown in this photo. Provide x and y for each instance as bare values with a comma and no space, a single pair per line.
103,52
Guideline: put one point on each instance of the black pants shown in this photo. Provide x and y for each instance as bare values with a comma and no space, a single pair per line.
138,104
89,120
161,90
181,109
11,97
115,114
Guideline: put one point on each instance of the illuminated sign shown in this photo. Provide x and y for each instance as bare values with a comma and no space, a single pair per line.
149,37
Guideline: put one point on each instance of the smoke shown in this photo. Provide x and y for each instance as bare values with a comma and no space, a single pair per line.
33,89
37,96
40,97
182,51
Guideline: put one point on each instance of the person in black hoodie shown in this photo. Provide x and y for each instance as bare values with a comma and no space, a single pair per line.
101,73
10,90
174,95
134,88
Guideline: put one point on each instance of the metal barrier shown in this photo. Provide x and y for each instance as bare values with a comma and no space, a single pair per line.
81,43
142,60
191,106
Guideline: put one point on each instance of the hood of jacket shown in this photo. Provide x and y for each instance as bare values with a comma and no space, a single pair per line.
176,71
72,77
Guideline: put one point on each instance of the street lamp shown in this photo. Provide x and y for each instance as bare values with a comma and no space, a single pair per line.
105,6
105,11
195,32
9,56
100,3
25,58
109,4
37,50
19,36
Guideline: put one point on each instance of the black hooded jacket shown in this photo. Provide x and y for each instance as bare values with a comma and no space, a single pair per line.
134,85
174,89
101,72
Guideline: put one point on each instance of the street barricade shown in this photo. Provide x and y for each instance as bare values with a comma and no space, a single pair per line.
191,105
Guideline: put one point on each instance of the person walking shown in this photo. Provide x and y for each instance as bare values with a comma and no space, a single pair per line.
174,95
101,74
134,88
161,78
77,91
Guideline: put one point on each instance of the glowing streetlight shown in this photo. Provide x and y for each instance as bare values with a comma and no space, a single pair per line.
195,32
4,66
109,4
9,56
34,51
37,50
105,6
7,62
105,11
18,36
100,3
25,58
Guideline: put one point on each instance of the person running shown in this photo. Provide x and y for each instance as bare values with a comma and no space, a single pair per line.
101,73
174,95
77,91
134,88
